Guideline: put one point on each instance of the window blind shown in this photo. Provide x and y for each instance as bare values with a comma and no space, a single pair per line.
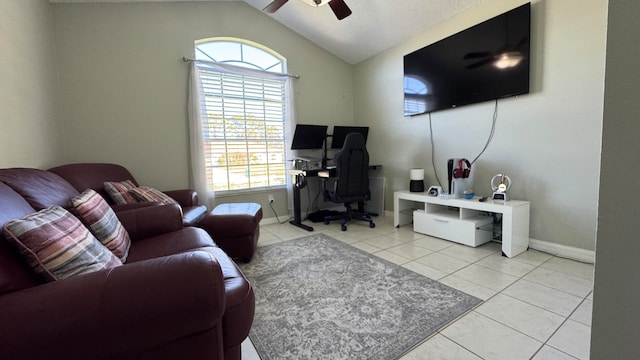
243,126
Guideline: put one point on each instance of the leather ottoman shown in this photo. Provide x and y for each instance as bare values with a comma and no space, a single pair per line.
235,227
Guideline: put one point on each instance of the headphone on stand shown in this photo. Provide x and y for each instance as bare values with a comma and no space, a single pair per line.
301,181
463,170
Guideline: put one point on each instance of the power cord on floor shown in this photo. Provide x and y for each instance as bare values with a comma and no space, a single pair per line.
276,213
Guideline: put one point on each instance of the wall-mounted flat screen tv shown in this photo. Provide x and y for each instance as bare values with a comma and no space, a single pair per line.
485,62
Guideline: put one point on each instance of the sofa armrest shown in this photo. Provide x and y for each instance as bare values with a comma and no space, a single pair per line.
151,220
185,197
125,312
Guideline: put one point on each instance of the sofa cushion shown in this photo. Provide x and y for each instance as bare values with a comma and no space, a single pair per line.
57,245
40,188
93,176
149,194
98,216
119,191
169,243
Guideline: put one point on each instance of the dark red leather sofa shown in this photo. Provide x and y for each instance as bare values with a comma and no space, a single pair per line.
234,227
178,296
84,176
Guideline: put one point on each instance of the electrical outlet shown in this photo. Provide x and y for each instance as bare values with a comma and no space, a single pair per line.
271,199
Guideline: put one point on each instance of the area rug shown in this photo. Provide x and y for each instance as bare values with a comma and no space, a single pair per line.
320,298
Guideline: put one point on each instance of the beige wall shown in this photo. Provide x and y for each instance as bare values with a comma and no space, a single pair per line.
124,85
548,142
31,134
123,99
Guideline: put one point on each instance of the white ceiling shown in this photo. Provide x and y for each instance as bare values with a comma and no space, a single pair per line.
374,26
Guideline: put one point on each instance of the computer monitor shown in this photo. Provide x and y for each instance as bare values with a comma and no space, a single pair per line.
341,132
307,137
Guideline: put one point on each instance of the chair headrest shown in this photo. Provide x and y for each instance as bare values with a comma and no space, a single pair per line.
354,140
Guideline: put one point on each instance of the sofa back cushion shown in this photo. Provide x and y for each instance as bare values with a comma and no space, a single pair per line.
40,188
84,176
15,273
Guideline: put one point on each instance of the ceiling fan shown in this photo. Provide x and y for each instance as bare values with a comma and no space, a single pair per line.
339,7
507,56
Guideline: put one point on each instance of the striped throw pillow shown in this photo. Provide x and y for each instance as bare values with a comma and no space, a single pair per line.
119,191
57,245
98,216
145,193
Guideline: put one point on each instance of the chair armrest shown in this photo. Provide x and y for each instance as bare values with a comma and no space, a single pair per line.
151,220
185,197
117,313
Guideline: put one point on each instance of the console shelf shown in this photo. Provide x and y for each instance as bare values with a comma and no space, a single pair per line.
465,221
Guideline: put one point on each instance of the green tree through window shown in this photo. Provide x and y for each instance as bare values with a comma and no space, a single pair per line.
243,115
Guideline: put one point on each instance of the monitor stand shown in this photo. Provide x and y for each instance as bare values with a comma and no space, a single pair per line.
324,154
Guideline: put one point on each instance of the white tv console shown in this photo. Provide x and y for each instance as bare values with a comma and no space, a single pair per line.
464,220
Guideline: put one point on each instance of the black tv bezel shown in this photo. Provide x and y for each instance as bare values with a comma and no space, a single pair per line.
309,137
342,131
520,89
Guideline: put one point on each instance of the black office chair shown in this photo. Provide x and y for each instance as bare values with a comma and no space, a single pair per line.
352,182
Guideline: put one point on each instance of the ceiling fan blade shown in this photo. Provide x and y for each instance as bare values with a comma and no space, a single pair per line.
274,6
340,8
480,63
475,55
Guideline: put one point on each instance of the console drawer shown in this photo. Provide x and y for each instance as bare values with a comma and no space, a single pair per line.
450,227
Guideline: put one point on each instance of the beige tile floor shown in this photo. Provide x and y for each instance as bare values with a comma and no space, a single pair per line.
536,306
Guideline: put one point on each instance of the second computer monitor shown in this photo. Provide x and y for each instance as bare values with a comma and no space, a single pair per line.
341,132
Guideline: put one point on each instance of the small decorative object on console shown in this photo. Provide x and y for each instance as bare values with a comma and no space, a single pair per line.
434,191
416,183
469,194
500,189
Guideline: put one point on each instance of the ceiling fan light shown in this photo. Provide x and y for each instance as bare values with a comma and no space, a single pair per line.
508,60
316,3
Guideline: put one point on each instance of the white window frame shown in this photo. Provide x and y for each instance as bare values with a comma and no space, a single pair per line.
244,111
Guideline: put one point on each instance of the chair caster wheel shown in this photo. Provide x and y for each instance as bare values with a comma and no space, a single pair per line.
372,225
343,228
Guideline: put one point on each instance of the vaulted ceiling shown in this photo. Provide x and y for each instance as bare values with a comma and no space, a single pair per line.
374,25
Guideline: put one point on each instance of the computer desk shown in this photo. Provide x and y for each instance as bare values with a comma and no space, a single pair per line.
299,184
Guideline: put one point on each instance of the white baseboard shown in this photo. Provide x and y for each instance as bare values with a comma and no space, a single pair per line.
569,252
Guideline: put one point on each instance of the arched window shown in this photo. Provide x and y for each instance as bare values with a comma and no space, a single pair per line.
415,95
243,114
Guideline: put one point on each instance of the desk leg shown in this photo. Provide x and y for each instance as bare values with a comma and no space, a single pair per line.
297,217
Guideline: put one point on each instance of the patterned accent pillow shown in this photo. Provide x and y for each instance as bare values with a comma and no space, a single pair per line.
98,216
119,191
145,194
57,245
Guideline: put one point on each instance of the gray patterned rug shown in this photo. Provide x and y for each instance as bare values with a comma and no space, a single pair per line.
319,298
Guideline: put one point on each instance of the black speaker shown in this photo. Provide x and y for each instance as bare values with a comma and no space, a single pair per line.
416,185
